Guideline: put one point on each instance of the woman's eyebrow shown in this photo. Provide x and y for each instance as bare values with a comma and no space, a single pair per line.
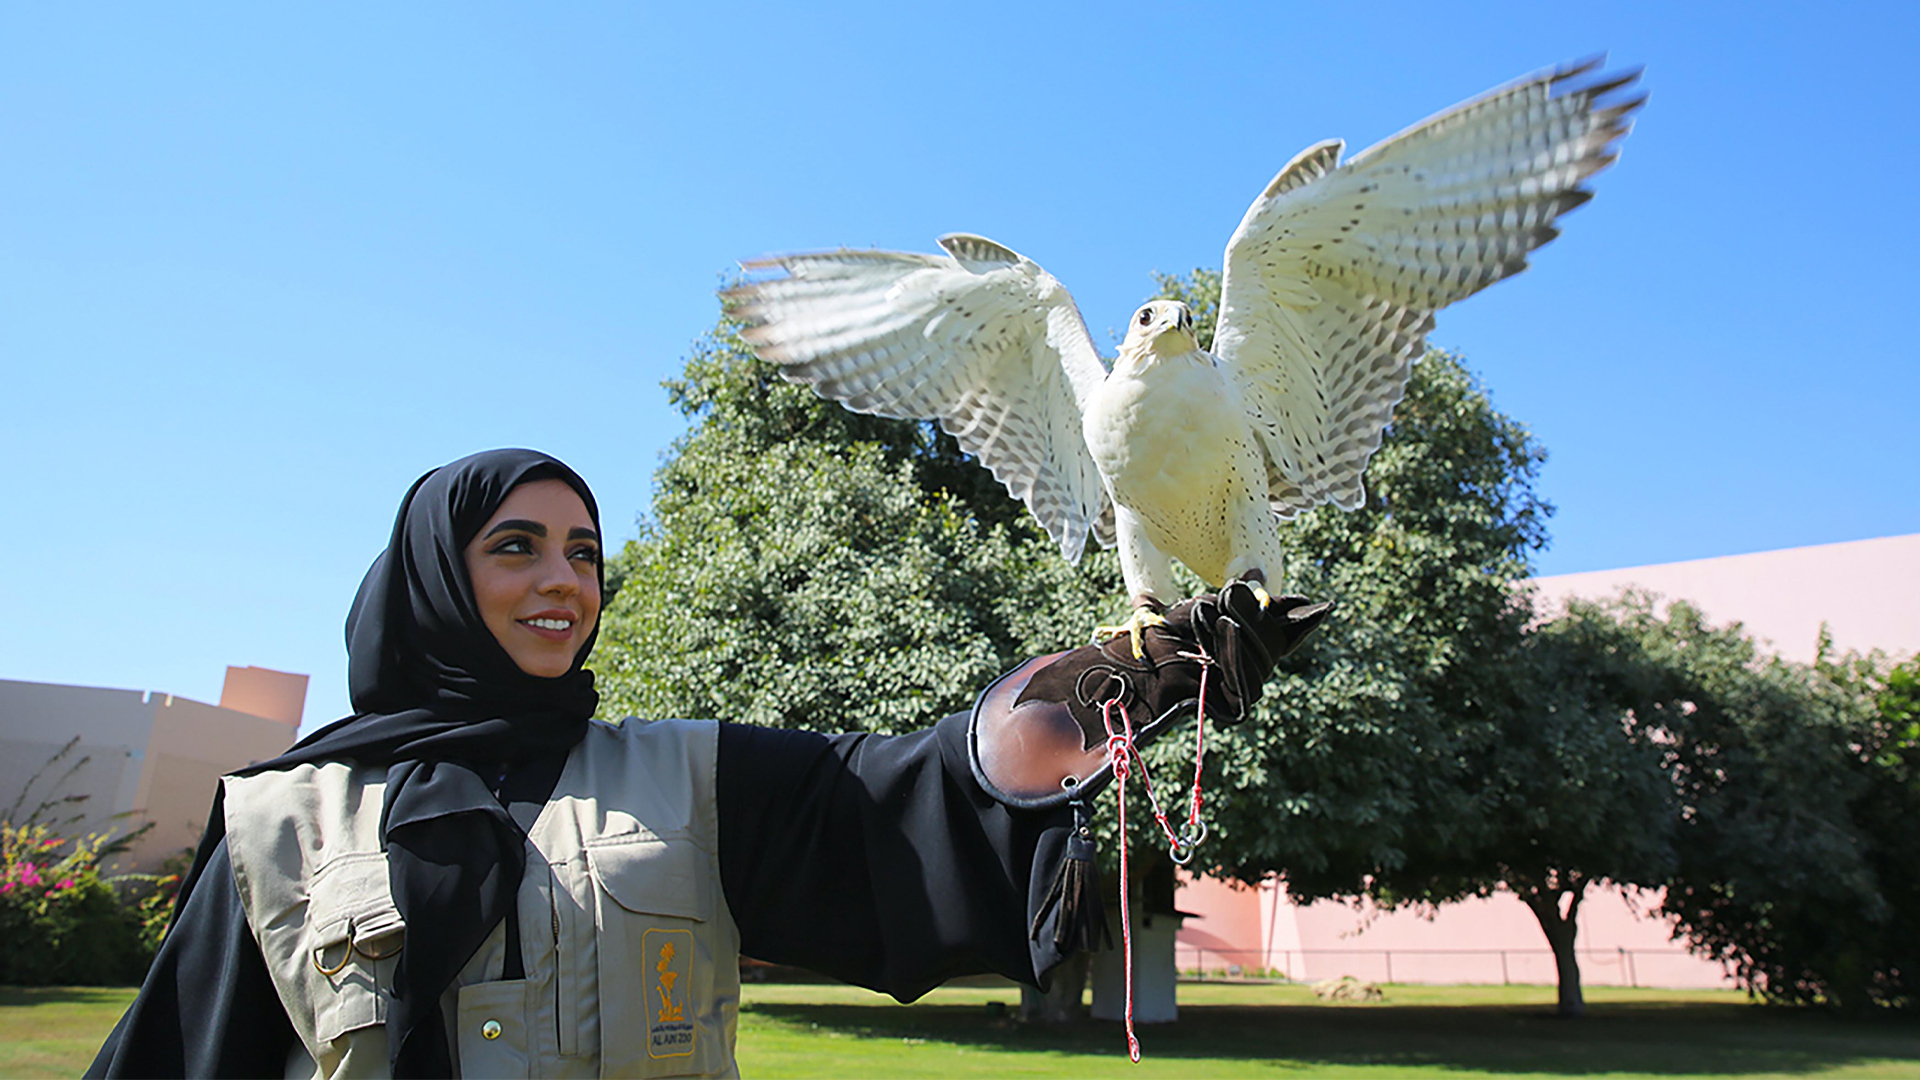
581,532
519,525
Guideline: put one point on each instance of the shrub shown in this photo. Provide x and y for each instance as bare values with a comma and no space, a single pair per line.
61,919
153,904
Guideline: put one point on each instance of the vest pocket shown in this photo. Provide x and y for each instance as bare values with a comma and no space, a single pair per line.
654,901
493,1029
354,934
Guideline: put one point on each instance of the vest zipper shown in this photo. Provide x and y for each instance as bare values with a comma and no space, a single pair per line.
569,1046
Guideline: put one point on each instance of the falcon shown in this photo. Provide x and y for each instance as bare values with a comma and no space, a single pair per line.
1179,453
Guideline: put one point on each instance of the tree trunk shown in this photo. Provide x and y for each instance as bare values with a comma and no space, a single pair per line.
1064,1002
1561,928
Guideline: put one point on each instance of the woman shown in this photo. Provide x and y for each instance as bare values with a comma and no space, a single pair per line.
468,876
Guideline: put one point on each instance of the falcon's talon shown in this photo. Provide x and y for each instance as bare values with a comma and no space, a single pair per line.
1133,627
1260,594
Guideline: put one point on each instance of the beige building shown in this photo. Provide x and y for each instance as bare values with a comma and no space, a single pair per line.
137,756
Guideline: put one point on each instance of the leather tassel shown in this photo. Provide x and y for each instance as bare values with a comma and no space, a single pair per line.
1081,920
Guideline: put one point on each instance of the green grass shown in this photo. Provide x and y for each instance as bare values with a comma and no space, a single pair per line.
1257,1031
1224,1030
55,1030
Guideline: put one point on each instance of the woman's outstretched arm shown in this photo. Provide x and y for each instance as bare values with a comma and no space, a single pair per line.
879,860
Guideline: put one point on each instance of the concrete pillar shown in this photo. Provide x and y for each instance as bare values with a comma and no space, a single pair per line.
1154,974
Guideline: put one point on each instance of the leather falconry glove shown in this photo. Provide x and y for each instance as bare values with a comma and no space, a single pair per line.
1037,738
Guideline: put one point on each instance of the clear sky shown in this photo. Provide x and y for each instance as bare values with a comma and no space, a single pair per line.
262,265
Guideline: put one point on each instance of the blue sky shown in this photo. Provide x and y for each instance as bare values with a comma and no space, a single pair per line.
262,265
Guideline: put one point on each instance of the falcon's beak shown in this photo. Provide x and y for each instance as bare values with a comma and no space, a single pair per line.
1182,321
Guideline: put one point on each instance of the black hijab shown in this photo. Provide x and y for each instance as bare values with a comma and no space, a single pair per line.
441,705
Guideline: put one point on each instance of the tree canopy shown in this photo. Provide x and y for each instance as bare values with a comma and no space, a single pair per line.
1795,852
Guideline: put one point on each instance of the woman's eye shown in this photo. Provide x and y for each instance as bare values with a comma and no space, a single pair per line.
513,545
590,554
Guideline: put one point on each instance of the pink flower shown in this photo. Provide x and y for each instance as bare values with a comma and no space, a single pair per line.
31,877
65,883
55,842
6,888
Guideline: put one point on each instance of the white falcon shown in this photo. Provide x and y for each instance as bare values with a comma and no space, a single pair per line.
1329,290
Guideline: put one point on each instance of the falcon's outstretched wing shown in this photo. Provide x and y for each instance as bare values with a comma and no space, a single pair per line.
1333,277
981,339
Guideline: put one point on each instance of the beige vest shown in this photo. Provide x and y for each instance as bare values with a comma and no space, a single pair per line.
632,957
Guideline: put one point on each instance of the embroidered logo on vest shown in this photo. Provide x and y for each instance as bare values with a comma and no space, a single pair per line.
669,1029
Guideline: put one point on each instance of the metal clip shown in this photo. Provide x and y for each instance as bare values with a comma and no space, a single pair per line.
1194,833
1100,685
346,954
1182,847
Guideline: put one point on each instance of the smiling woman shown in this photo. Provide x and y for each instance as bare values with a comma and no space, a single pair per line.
471,876
535,569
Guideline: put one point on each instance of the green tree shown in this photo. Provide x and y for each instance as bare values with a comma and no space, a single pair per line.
1799,864
1887,751
1770,764
1565,790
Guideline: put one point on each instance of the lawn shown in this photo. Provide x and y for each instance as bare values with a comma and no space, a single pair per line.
54,1030
1224,1030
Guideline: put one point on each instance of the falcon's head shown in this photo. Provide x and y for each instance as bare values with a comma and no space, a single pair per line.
1161,328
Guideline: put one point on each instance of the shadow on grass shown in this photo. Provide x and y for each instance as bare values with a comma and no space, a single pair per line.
1655,1039
17,996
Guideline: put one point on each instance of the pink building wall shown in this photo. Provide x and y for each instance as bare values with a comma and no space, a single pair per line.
1867,592
140,757
189,747
1494,939
258,691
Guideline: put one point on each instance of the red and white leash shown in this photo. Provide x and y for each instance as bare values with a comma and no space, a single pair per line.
1123,754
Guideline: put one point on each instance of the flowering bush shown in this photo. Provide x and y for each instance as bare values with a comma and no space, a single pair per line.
154,908
61,920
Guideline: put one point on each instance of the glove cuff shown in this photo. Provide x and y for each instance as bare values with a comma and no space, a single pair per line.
1035,737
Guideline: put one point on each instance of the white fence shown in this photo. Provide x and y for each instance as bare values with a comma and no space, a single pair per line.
1598,967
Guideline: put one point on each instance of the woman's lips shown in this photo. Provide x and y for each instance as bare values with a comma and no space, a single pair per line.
551,625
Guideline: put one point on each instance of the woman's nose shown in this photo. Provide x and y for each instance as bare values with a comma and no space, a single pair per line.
557,577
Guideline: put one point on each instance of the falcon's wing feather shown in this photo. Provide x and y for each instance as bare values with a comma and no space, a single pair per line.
1106,528
1333,277
982,340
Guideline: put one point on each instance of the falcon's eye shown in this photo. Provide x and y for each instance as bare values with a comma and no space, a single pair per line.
1146,316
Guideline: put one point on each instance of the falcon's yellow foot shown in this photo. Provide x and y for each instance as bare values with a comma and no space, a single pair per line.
1136,624
1255,581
